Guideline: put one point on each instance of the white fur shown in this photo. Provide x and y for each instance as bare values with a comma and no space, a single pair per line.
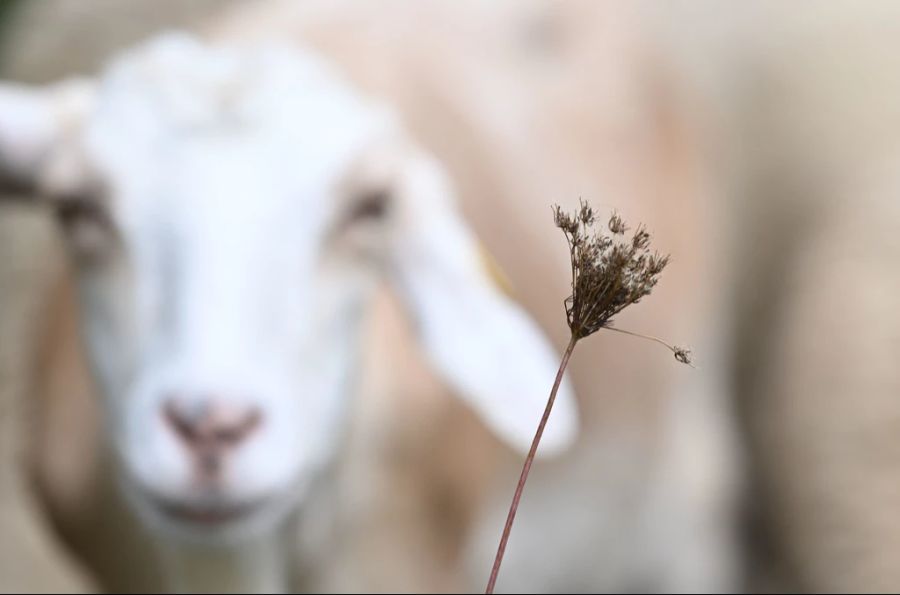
227,275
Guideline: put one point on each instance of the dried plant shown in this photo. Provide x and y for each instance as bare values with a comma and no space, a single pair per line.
610,272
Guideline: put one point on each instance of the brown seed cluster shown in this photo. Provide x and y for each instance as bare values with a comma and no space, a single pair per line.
610,271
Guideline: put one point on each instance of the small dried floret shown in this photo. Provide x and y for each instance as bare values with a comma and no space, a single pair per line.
641,239
565,222
586,214
684,355
617,225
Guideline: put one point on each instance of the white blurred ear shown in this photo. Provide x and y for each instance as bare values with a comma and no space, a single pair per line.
483,343
34,121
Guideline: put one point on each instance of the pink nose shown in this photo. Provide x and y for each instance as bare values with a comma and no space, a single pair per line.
210,430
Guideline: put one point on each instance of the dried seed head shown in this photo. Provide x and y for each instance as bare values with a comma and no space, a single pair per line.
609,273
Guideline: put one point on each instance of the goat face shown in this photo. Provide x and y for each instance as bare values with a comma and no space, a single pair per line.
228,211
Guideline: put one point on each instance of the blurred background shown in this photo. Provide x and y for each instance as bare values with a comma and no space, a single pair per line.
761,144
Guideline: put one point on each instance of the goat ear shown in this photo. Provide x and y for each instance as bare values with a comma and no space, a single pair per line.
483,343
33,122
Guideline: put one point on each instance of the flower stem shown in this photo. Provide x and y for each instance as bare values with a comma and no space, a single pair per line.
514,507
682,355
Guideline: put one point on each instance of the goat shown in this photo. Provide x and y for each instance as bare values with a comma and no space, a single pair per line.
191,183
468,131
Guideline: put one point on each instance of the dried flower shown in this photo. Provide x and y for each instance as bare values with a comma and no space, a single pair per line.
609,273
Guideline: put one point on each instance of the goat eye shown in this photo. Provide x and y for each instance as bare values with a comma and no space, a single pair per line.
373,205
86,226
72,212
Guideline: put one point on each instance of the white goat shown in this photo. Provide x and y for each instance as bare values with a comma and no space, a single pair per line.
229,211
523,103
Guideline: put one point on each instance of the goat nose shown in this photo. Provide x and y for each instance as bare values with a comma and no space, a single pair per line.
211,427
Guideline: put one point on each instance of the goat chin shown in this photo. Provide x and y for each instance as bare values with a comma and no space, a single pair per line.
212,524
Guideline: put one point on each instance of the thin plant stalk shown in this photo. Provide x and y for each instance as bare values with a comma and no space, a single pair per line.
514,507
681,354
